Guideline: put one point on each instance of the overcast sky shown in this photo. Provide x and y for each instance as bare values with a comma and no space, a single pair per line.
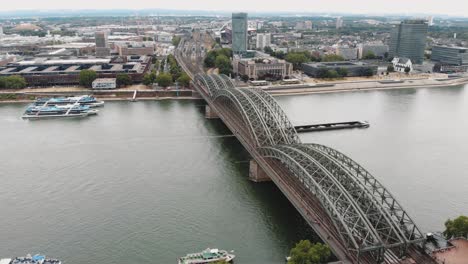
445,7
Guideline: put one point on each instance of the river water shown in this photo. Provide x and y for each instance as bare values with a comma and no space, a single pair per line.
149,181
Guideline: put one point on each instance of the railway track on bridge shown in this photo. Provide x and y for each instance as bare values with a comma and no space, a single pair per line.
346,206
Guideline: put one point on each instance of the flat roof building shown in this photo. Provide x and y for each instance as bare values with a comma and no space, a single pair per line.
239,33
46,72
353,68
261,69
408,40
450,55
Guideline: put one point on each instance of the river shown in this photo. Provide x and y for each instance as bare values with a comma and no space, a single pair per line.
146,182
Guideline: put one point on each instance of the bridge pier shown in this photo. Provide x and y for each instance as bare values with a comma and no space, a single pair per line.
256,173
210,113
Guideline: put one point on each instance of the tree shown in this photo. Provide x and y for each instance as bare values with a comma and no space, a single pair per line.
332,57
268,50
386,55
223,64
87,77
210,59
342,72
369,56
13,82
296,59
176,40
226,52
390,68
457,227
332,74
307,253
184,80
366,72
407,70
149,78
164,80
123,79
245,78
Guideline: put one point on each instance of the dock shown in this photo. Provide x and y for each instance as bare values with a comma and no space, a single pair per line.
331,126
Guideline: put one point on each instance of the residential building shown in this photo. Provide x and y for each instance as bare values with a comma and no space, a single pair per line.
408,40
262,68
450,55
400,64
378,49
339,22
239,33
347,53
352,68
102,44
134,48
304,25
263,40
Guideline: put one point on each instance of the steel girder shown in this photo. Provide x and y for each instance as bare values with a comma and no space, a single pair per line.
283,124
391,234
400,218
250,114
352,224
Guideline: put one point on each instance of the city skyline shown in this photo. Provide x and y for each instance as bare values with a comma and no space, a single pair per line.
401,7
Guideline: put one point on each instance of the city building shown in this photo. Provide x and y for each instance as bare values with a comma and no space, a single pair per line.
339,22
400,64
102,44
262,69
48,71
104,83
430,20
378,49
134,48
347,53
353,68
408,40
239,33
1,31
263,40
304,25
450,55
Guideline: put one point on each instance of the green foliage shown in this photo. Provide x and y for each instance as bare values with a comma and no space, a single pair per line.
223,63
407,70
164,80
8,96
245,78
87,77
369,56
12,82
184,80
176,40
174,67
332,57
390,68
457,227
123,79
366,72
149,78
212,55
342,72
147,39
307,253
297,58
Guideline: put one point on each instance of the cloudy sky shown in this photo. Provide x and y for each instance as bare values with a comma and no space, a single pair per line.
445,7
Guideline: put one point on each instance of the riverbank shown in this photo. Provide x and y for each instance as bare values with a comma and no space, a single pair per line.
144,93
27,96
349,86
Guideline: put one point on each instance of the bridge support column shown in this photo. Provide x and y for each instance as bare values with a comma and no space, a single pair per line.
256,173
209,113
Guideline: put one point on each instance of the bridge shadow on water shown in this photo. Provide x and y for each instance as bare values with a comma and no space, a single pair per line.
287,224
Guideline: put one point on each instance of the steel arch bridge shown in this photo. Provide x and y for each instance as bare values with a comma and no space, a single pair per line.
366,220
